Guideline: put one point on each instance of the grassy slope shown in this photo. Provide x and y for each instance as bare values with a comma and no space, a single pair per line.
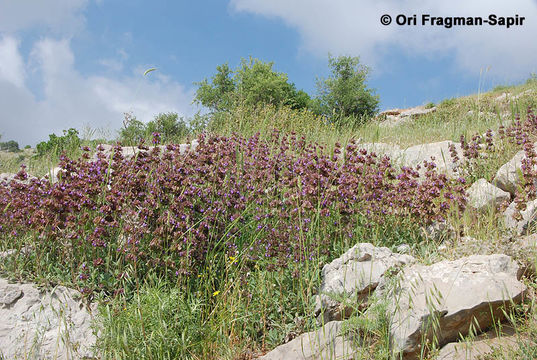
215,324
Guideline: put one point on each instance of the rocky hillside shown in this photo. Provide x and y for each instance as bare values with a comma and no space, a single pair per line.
373,250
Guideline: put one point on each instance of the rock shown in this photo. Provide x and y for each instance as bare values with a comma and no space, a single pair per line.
6,178
415,155
393,117
403,249
392,151
130,151
520,224
483,195
447,299
9,294
507,176
417,111
439,231
503,97
353,276
526,252
325,343
55,174
481,346
44,325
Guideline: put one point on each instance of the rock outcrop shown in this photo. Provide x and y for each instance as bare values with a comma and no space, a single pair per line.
38,324
352,278
483,195
325,343
445,300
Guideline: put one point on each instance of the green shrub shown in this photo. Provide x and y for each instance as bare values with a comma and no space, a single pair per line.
10,146
57,144
344,93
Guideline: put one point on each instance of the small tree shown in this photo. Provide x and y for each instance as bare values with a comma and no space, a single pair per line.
253,83
219,94
169,125
344,92
133,130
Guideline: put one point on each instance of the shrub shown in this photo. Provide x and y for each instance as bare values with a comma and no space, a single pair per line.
344,93
10,146
237,197
57,144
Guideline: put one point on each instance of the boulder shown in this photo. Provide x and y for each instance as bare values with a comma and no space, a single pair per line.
392,151
130,151
353,277
44,325
483,195
508,174
520,224
325,343
446,300
415,155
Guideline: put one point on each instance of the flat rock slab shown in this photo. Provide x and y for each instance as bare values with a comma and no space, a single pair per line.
483,195
325,343
43,325
447,299
481,346
354,275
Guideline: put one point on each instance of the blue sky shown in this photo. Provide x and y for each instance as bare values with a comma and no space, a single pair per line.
79,63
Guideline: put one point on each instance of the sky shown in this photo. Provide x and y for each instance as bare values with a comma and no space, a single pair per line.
81,63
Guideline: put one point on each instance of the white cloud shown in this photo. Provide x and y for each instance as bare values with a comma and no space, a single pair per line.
353,27
61,16
11,63
71,99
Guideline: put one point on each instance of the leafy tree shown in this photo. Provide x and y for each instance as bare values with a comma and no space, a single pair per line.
344,93
219,94
253,83
169,126
57,144
10,146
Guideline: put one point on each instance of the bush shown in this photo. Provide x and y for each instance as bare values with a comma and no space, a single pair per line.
254,83
344,93
58,144
10,146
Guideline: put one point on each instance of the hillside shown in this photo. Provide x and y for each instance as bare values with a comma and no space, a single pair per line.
277,235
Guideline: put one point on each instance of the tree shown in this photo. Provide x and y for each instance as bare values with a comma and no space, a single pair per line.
344,92
10,146
217,95
253,83
169,126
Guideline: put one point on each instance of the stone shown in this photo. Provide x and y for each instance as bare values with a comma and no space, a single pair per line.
9,294
38,324
353,276
447,299
508,174
481,346
483,195
520,224
416,155
325,343
392,151
403,249
130,151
